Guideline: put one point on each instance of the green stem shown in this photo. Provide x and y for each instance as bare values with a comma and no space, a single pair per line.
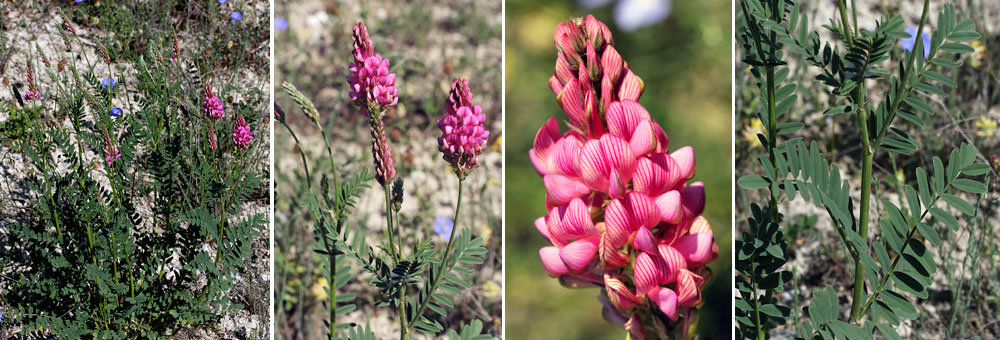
388,217
444,259
848,34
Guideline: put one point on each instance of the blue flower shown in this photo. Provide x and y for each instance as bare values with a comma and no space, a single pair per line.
107,83
116,111
236,16
222,1
281,24
909,43
443,226
631,15
79,1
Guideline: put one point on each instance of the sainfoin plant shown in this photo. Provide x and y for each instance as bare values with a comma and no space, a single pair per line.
138,226
411,277
622,214
893,260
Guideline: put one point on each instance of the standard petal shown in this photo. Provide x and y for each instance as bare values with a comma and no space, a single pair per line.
624,116
619,155
545,139
700,225
618,293
594,168
631,87
577,221
688,292
542,228
566,155
564,188
554,265
674,261
649,272
643,210
580,253
571,101
617,222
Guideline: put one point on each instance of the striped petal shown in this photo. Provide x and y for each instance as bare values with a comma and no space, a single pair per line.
624,116
562,189
670,206
693,198
643,138
654,175
553,222
698,248
662,141
571,101
649,272
631,87
566,155
564,72
643,210
594,167
555,84
580,253
636,331
617,222
700,225
619,294
576,220
553,264
610,256
674,261
666,300
542,227
685,161
619,155
612,63
545,139
645,241
688,293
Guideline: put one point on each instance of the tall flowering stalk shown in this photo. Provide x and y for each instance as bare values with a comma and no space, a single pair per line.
621,213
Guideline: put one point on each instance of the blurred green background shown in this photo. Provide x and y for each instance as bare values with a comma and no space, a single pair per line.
685,62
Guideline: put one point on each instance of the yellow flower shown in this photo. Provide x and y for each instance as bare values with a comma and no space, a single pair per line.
978,54
319,289
900,177
498,144
750,132
985,127
486,233
491,290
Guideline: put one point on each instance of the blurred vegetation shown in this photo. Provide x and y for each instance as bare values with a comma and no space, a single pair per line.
686,65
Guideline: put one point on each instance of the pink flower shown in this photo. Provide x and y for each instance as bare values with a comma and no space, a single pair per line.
211,105
463,135
110,151
619,202
241,133
33,95
373,88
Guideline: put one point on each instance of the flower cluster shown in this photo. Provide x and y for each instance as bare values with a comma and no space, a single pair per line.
212,105
463,135
372,86
621,213
373,89
33,95
241,133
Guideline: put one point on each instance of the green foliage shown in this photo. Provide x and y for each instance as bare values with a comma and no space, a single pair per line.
438,276
19,122
144,245
896,263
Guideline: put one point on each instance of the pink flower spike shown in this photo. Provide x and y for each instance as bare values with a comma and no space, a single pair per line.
697,248
666,299
241,133
685,161
553,264
211,105
670,207
580,253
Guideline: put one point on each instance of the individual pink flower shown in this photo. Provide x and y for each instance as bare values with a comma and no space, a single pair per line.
463,134
241,133
211,105
373,88
33,95
110,151
618,200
